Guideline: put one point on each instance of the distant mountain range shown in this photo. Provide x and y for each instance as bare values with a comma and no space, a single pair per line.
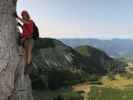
114,47
49,54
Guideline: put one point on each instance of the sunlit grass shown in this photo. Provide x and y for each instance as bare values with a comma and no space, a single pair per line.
119,82
120,88
104,93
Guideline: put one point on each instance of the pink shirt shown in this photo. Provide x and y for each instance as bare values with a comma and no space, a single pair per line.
27,29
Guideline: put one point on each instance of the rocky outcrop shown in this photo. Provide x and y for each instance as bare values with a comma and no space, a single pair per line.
22,84
51,53
14,85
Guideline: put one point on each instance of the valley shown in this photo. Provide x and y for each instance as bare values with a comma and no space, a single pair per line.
121,88
81,73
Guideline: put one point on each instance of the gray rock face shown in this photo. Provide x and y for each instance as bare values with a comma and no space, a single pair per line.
14,85
22,85
51,53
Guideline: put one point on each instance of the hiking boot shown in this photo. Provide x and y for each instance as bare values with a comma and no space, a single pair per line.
28,69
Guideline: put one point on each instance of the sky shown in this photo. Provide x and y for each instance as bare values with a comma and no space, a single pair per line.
104,19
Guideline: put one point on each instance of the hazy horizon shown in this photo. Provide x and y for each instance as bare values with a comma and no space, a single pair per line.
89,38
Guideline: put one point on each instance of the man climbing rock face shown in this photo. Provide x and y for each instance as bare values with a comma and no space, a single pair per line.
26,39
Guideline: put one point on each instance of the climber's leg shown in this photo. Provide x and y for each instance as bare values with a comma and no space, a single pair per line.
30,44
26,51
28,68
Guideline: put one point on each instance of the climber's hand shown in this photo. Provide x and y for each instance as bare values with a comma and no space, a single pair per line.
19,24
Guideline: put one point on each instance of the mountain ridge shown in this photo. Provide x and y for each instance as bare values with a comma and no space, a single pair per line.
114,47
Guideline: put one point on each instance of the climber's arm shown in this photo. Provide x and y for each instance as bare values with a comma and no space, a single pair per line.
23,21
19,18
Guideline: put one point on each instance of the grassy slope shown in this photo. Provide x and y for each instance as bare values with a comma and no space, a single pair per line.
104,93
119,89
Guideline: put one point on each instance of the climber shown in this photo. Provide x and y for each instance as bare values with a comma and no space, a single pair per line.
26,39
